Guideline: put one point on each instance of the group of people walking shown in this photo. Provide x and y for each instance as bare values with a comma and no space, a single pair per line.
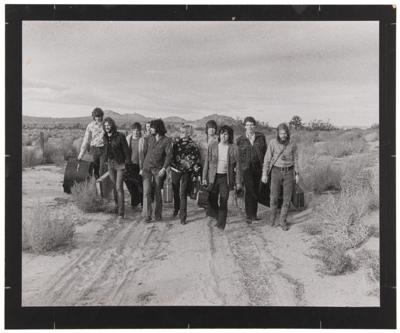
219,164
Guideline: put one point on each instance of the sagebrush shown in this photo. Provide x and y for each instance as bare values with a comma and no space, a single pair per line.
86,197
43,231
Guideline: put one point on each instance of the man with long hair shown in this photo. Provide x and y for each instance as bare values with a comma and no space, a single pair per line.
220,176
282,157
133,179
185,166
252,147
93,139
211,135
117,155
157,157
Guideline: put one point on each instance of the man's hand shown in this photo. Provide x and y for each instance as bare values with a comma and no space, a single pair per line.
297,178
204,182
264,179
238,186
161,173
141,172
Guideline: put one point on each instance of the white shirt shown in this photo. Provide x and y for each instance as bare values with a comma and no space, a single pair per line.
222,166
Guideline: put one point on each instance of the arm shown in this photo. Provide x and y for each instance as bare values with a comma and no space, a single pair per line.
168,154
238,174
296,159
205,168
86,141
267,160
125,148
141,154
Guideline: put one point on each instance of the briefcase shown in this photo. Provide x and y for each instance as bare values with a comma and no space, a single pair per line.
76,172
202,197
298,197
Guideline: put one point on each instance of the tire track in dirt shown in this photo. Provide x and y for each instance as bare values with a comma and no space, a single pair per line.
225,271
74,283
287,289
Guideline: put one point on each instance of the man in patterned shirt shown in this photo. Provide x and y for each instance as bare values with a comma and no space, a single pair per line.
185,166
93,139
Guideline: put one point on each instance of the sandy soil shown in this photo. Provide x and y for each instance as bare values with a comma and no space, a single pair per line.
166,263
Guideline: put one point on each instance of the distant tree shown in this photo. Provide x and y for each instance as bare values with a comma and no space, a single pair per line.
296,122
319,125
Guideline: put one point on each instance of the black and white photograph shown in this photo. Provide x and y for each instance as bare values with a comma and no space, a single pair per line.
217,163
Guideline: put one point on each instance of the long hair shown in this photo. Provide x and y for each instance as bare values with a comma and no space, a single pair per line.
285,127
97,112
112,123
159,126
211,124
226,129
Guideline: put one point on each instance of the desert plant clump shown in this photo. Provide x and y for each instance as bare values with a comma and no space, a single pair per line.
31,157
335,260
312,228
320,176
86,197
47,232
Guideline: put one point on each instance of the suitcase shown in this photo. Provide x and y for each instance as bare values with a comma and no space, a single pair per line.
76,172
298,197
202,197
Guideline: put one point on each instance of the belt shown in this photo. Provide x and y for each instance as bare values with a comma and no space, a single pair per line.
284,168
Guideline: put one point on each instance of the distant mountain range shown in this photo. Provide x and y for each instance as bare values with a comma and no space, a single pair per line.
127,118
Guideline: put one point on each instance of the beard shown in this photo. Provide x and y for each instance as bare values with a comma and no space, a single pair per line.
284,142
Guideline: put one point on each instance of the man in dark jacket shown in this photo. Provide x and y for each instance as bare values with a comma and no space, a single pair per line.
157,153
117,154
252,147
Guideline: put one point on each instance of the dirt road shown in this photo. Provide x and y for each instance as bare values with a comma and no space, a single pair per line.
166,263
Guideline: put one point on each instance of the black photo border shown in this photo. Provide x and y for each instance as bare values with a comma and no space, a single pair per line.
18,317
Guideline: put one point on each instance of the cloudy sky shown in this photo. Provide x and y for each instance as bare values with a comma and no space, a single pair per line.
271,70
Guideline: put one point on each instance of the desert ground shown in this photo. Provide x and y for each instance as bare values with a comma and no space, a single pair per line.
166,263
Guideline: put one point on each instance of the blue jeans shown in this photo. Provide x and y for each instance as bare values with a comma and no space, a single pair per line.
116,172
98,161
151,181
281,178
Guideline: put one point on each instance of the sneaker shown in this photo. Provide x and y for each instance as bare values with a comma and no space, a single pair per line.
249,220
158,218
183,221
175,213
147,219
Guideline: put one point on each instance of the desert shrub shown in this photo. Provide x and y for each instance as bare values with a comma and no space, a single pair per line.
59,153
312,228
320,176
46,232
335,260
31,156
342,214
85,196
341,148
370,260
53,154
